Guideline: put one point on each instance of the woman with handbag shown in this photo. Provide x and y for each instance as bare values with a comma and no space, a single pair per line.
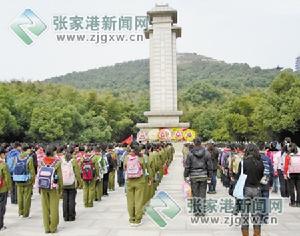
252,169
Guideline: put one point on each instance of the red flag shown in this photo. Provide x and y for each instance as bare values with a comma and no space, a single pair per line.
128,140
165,169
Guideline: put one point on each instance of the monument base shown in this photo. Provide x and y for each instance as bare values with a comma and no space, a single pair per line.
163,119
162,125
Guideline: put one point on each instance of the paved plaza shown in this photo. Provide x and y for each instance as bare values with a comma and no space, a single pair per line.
109,217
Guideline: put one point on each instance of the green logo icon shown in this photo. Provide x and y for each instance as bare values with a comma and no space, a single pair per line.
28,21
162,208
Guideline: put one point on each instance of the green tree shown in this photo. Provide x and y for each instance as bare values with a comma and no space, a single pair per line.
52,123
95,129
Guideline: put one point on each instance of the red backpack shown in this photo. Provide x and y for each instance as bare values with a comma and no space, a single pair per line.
87,169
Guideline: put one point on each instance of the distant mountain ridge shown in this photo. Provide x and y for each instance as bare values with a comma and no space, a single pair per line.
192,68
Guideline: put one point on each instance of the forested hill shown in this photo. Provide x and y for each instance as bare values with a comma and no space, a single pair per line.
192,68
226,102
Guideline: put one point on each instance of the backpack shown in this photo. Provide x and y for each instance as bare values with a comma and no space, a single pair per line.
224,156
266,178
20,173
295,164
267,166
11,159
46,176
68,174
120,157
134,167
87,169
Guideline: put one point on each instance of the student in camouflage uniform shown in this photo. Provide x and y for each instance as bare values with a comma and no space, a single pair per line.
5,186
151,172
157,163
135,188
50,197
89,186
145,154
24,189
112,172
99,181
161,162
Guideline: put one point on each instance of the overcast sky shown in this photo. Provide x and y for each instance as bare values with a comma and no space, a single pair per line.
262,33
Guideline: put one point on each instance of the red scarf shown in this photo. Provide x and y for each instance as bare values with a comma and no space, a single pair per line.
49,160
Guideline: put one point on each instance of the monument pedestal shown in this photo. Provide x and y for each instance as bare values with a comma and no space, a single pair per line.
167,119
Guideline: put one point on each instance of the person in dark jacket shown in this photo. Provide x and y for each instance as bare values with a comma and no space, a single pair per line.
266,182
253,167
121,153
214,152
198,169
108,160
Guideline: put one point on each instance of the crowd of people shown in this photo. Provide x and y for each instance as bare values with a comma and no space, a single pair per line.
266,166
58,171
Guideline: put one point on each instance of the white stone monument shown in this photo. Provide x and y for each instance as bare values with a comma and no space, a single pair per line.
162,34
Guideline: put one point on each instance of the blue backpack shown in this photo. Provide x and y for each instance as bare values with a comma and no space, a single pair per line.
11,159
46,177
20,173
